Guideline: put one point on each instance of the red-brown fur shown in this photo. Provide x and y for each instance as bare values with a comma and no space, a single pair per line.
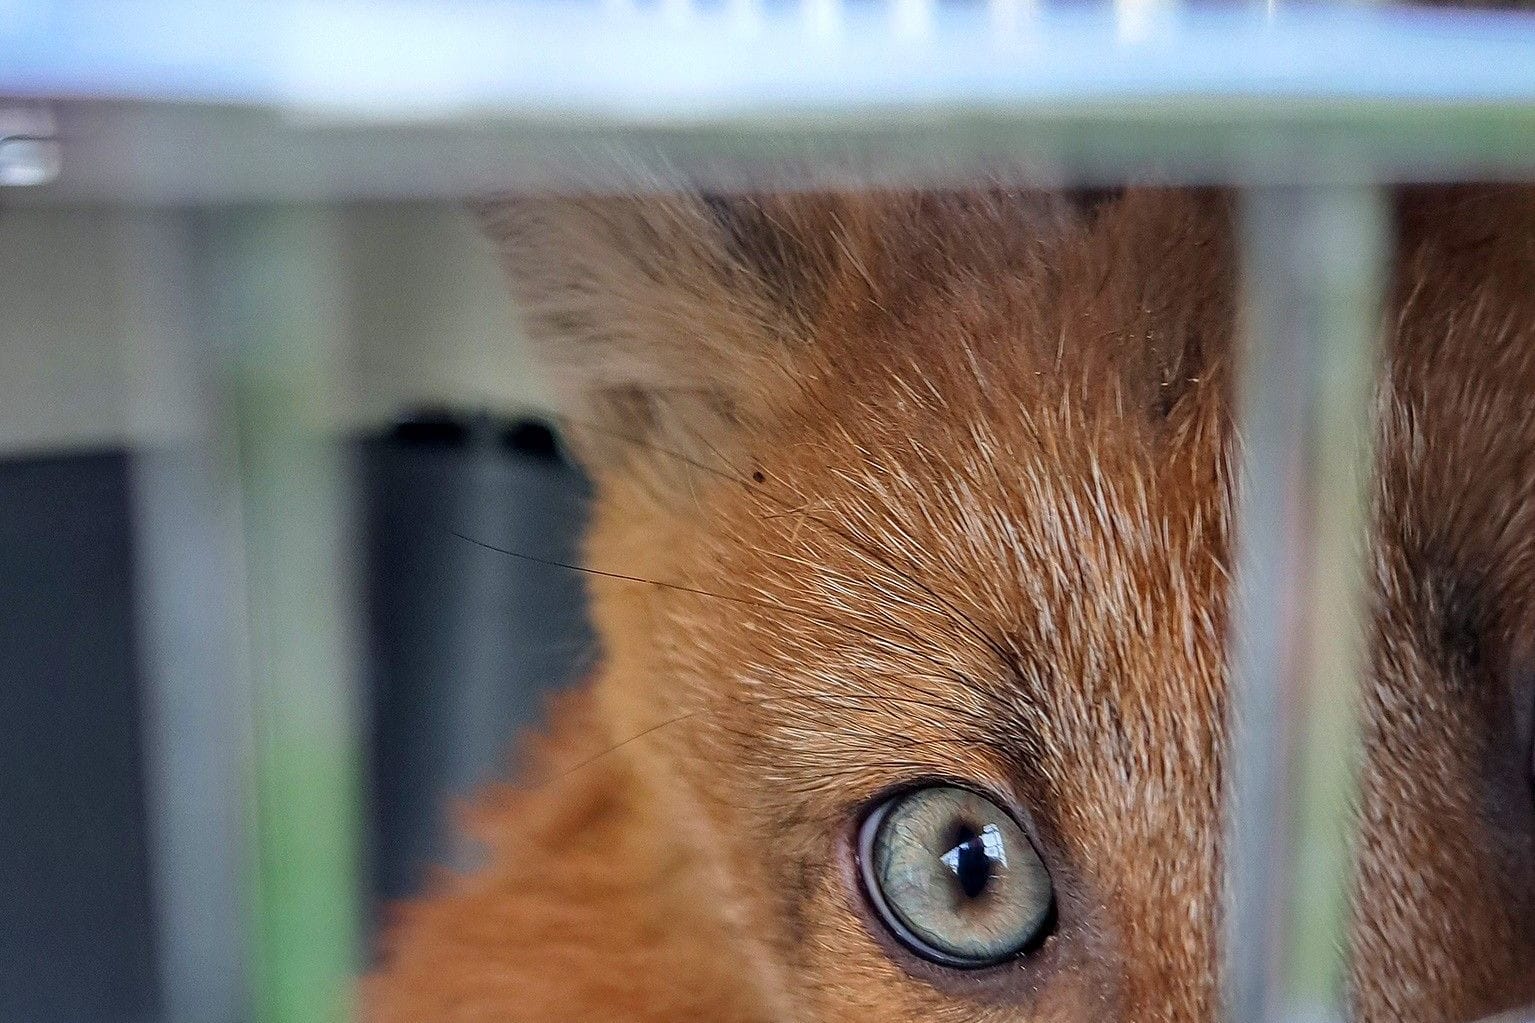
938,486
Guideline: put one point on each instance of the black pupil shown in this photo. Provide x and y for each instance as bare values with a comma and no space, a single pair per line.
970,862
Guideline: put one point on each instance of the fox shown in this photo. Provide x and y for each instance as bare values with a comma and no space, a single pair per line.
909,562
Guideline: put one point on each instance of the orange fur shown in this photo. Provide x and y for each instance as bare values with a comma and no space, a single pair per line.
937,486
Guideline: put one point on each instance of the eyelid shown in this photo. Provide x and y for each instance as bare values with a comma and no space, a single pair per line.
990,785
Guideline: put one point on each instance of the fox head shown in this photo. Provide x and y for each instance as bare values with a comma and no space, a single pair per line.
911,552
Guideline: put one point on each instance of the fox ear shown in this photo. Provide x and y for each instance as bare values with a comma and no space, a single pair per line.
666,323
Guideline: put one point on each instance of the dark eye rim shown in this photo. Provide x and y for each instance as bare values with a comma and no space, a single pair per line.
885,914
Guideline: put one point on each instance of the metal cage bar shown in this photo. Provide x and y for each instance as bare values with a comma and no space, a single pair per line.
1311,281
192,615
270,288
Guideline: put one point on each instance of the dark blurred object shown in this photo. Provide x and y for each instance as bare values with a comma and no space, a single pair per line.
75,908
461,645
465,642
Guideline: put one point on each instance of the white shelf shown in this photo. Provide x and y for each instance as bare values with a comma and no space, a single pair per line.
190,101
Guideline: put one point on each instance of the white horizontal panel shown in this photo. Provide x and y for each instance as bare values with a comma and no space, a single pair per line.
198,102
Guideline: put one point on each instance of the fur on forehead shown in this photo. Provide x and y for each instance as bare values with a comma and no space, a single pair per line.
665,321
674,325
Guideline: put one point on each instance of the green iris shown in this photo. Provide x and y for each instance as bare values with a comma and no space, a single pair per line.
954,877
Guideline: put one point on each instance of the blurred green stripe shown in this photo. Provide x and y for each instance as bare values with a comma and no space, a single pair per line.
279,321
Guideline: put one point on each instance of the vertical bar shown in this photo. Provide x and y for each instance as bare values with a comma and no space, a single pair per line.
271,286
188,567
1312,284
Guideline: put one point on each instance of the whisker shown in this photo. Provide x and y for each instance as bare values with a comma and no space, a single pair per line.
731,474
620,745
880,641
552,563
854,742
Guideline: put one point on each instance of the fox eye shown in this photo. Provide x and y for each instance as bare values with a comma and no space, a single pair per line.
954,877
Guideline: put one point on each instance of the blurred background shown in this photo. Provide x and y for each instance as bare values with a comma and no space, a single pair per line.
442,432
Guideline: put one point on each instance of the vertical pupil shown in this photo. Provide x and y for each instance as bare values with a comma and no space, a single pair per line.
968,859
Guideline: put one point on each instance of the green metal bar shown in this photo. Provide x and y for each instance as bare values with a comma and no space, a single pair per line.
274,293
1313,273
1346,265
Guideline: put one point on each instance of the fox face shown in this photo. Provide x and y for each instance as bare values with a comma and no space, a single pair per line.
910,565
